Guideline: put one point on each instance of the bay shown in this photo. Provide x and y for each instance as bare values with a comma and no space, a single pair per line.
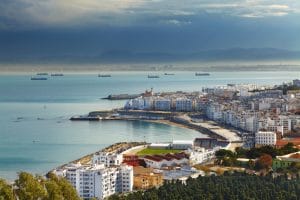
37,136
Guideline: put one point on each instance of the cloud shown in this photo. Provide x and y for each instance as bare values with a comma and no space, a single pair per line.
22,13
176,22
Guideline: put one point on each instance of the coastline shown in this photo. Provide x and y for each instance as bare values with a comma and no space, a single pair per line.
87,158
231,146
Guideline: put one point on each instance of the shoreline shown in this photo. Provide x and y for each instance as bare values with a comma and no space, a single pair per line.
231,146
199,127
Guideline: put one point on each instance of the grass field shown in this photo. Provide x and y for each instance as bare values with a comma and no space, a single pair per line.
157,151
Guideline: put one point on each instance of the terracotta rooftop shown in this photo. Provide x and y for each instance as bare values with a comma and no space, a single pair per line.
168,157
295,141
296,155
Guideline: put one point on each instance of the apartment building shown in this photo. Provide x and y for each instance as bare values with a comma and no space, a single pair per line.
99,181
107,158
265,138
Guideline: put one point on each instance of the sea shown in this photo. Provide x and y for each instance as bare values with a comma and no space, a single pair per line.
36,134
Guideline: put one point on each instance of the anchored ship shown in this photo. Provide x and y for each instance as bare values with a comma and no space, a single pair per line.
104,75
202,74
169,74
38,78
57,74
153,76
42,74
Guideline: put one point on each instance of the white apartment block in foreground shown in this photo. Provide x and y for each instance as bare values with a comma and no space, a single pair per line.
99,181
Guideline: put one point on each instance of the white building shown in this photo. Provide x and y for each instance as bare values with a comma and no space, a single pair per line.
148,103
108,159
138,103
99,181
296,82
251,123
184,104
214,111
200,155
281,120
265,138
264,105
162,104
182,144
160,146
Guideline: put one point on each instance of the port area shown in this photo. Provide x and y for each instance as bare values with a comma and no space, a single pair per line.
207,127
121,96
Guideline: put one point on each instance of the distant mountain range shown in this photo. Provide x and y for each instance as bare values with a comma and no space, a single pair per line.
117,56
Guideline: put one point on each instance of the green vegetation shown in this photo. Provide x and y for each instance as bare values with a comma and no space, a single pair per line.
6,192
264,157
236,186
272,151
149,151
29,187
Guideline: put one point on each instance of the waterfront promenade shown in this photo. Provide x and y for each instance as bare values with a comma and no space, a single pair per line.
181,119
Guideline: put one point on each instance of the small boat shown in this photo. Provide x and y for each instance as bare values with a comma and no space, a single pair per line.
57,74
202,74
38,78
42,74
104,75
153,76
169,74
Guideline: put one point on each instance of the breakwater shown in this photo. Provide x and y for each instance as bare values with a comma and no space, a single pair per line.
116,147
121,96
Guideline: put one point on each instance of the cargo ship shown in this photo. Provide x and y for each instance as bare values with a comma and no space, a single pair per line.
42,74
104,75
169,74
153,76
38,78
202,74
57,74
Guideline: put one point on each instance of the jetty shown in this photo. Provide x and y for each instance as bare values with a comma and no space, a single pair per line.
121,96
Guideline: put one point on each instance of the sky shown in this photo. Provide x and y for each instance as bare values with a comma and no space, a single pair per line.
31,28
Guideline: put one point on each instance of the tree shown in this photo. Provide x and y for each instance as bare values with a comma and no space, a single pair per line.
237,186
265,162
68,191
286,149
53,190
251,164
241,152
6,192
294,168
29,187
225,157
62,188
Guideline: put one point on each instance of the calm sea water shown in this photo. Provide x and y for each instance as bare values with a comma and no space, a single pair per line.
36,135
